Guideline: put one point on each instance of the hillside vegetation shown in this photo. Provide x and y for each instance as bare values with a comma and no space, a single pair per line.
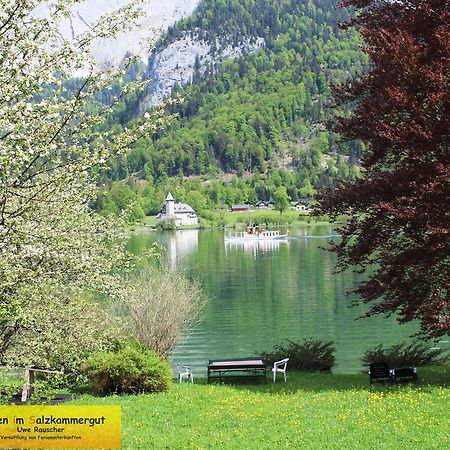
261,116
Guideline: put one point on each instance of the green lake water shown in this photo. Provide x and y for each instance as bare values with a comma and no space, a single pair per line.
265,292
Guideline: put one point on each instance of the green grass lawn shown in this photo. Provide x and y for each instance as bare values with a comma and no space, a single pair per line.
149,221
241,219
262,216
310,411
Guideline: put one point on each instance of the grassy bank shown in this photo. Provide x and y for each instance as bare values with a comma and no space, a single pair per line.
149,221
232,219
310,411
240,219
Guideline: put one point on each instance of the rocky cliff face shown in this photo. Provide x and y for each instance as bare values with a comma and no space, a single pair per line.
160,14
175,64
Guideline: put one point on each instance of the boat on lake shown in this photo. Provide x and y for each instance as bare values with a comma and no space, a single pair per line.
252,233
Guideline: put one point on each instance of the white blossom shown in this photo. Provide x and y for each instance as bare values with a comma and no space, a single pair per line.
53,248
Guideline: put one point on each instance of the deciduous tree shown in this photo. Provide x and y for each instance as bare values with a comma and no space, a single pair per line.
281,199
400,211
51,243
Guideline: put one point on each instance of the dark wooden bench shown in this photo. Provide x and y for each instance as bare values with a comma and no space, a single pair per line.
241,367
404,374
380,371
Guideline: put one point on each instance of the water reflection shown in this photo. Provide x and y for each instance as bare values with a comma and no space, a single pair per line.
263,292
179,244
255,247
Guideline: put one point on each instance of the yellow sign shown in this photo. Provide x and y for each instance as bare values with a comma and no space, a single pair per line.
60,426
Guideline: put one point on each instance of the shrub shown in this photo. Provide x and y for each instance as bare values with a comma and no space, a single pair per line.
161,305
131,369
166,224
404,355
309,355
10,385
207,215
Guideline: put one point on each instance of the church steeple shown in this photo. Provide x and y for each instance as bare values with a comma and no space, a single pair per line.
170,205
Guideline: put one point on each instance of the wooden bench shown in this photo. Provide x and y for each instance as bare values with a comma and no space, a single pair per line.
404,374
242,367
380,371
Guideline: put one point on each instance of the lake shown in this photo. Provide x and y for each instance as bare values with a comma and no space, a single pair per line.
261,293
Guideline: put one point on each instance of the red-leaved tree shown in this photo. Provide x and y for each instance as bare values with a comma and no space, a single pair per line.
400,210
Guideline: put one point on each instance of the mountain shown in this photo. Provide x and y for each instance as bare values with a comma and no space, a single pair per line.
282,58
160,15
176,63
256,79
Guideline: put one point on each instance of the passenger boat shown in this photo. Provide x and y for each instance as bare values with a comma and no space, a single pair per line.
253,234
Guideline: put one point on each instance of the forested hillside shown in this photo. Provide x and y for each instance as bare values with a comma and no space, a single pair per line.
261,116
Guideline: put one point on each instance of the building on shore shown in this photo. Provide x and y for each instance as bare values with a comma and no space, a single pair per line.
301,205
241,208
180,213
263,204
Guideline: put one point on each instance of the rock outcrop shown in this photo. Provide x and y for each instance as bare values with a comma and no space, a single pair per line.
175,64
160,14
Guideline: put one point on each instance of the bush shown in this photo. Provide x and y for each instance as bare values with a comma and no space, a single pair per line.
309,355
166,224
10,385
207,215
131,369
404,355
161,305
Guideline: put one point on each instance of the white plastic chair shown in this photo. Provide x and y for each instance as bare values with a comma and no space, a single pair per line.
185,372
280,366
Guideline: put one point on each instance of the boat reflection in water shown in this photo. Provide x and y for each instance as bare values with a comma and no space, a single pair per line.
255,246
255,233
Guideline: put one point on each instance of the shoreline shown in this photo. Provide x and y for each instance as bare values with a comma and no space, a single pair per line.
229,221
